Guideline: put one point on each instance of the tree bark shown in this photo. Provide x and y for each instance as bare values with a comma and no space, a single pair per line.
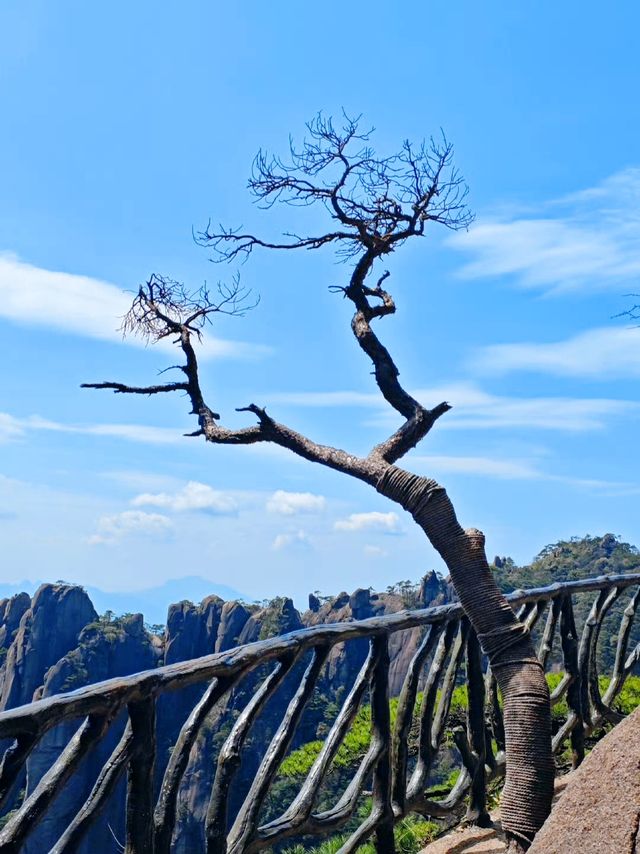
528,789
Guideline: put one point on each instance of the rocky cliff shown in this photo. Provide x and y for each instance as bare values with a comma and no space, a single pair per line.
56,642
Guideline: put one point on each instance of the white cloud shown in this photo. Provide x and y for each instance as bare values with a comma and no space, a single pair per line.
474,408
388,523
484,466
509,469
193,496
286,541
587,239
10,428
546,413
130,523
15,428
292,503
84,306
606,352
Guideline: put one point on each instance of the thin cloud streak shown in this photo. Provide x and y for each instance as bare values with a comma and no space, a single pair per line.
131,523
12,428
15,429
588,239
475,409
81,305
508,469
602,353
297,539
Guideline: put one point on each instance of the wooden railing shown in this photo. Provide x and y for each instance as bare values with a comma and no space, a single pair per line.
397,782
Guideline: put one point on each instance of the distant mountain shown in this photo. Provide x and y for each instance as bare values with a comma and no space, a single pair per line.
153,602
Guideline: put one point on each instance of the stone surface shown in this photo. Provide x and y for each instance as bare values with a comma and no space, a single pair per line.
104,650
598,813
470,840
55,642
476,840
48,630
11,611
600,809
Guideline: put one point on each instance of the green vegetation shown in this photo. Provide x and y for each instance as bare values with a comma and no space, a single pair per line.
107,626
411,836
408,592
413,833
625,703
298,763
273,618
572,560
357,740
569,560
6,818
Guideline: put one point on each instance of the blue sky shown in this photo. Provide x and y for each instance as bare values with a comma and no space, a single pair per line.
127,125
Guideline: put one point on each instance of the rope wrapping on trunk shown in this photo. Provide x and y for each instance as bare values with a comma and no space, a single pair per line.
528,789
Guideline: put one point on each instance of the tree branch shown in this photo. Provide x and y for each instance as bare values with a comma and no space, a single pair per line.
229,245
121,388
379,202
150,317
382,202
411,432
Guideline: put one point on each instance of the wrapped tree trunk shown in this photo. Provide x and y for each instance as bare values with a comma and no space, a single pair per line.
528,789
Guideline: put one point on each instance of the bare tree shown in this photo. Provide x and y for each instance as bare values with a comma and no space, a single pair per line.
375,205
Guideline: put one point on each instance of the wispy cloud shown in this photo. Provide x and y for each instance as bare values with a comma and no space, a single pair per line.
474,408
603,353
484,466
12,428
84,306
510,469
130,523
388,523
292,503
194,496
589,239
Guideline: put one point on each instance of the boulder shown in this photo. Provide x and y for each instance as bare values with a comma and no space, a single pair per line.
599,812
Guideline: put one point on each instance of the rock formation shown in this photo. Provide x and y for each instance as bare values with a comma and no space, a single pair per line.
56,642
47,631
599,812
